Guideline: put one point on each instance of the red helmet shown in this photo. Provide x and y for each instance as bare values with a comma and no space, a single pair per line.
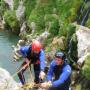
36,46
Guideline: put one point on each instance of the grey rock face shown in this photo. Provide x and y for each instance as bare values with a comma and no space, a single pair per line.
6,81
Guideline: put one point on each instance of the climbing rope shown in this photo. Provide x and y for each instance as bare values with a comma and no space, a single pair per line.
19,70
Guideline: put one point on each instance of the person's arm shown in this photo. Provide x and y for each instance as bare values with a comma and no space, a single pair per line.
42,60
24,50
63,77
50,72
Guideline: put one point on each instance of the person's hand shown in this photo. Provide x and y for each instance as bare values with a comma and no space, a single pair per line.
42,75
46,85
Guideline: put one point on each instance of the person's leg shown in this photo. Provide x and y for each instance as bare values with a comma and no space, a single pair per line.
20,74
37,72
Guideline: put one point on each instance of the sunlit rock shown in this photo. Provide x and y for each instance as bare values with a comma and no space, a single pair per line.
33,27
6,81
83,37
10,3
43,36
20,10
23,29
59,42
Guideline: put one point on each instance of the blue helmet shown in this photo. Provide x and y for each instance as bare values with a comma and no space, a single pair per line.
60,55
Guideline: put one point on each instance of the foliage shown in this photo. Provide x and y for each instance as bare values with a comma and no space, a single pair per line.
67,8
54,29
37,16
29,6
16,3
67,11
86,68
52,24
11,20
70,30
3,7
88,22
48,7
62,29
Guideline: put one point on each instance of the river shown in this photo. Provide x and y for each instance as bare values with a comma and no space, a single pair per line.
8,39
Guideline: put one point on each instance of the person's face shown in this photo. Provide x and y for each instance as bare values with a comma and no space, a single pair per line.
36,52
59,61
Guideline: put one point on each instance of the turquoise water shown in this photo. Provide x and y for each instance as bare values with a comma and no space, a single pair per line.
8,39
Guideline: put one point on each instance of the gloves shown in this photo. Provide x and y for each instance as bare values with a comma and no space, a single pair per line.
42,75
46,85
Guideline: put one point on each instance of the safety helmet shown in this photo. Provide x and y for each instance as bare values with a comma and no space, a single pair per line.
60,55
36,46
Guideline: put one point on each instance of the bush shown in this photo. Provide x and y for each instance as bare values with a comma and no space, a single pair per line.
62,29
72,15
11,20
3,7
16,3
29,6
37,16
54,29
88,22
54,24
86,68
70,30
48,7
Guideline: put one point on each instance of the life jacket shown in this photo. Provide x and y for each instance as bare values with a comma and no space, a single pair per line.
58,72
33,56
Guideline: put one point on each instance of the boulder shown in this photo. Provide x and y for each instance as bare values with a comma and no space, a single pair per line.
83,37
6,81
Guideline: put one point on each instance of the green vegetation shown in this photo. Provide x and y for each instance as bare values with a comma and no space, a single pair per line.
52,24
37,16
55,16
11,20
86,68
3,7
29,6
16,3
88,22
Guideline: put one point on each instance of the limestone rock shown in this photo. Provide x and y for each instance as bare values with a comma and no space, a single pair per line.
10,3
83,37
6,81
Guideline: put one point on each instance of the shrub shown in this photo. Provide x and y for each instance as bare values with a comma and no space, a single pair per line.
3,7
54,24
11,20
16,3
37,16
86,68
29,6
88,22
